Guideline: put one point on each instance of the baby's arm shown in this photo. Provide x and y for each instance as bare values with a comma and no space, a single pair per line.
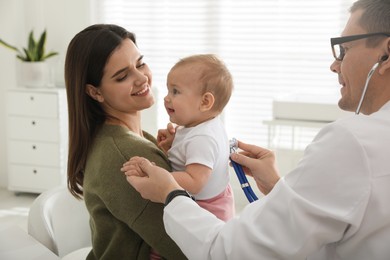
194,178
131,167
165,137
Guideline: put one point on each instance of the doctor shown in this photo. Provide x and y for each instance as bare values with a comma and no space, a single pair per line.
336,203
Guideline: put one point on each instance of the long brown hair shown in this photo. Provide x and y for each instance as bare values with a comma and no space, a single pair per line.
87,55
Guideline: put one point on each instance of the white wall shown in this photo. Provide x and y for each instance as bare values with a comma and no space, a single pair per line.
62,19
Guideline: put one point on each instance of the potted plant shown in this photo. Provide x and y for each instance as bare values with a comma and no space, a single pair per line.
34,71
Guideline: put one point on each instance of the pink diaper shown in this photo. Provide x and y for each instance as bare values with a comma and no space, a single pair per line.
221,205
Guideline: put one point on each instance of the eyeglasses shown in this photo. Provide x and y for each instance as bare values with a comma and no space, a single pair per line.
339,50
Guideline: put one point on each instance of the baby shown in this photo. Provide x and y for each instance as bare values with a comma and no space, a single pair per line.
199,87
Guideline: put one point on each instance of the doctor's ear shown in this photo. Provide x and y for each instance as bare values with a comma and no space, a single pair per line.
385,60
384,65
94,93
207,101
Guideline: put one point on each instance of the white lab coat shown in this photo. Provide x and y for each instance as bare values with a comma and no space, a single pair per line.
334,205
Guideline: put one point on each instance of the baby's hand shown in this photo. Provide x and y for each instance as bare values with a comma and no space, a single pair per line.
165,137
131,167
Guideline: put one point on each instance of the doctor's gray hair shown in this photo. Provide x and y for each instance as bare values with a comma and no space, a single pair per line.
375,18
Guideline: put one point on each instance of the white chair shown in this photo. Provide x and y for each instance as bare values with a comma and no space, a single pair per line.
61,223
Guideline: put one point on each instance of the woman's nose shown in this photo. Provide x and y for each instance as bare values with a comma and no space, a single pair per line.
141,79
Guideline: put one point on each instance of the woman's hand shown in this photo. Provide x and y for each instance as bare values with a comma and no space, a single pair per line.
258,163
152,182
165,137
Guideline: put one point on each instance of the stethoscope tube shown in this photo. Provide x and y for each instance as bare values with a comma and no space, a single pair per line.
246,187
370,73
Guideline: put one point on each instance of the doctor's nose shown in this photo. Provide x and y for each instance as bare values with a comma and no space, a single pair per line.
335,66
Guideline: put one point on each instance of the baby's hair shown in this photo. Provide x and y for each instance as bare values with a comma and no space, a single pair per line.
214,77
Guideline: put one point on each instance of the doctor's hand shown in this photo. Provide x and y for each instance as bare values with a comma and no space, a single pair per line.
258,163
152,182
165,137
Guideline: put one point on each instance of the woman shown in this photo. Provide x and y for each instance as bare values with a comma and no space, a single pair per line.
108,85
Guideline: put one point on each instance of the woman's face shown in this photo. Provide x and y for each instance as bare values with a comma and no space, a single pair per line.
126,84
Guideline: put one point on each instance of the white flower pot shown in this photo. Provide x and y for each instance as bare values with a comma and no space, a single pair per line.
34,75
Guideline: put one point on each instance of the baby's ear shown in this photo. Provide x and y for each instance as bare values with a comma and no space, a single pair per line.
94,93
207,101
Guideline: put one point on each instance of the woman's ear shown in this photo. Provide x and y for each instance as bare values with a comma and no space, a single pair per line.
94,93
207,101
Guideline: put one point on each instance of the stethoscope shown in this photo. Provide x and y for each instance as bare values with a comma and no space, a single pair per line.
369,75
246,187
365,87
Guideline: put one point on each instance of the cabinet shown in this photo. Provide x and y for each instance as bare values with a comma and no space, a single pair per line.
36,139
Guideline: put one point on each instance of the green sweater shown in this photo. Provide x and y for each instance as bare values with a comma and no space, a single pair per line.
123,224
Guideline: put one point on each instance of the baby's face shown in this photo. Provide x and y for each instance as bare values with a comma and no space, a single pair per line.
184,99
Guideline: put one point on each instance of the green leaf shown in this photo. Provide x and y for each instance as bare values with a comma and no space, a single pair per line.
35,51
21,57
28,55
8,45
49,55
31,42
40,51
